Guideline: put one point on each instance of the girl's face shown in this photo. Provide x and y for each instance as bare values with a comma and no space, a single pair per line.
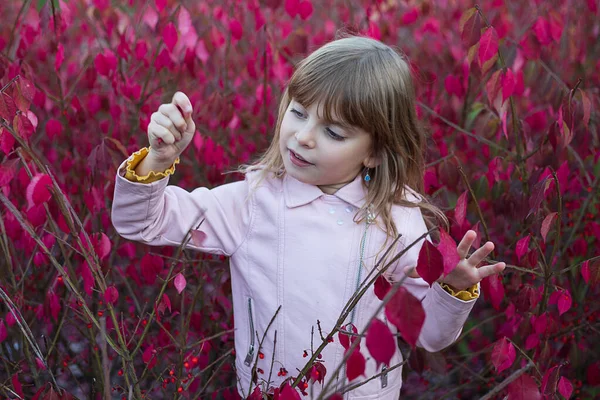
327,154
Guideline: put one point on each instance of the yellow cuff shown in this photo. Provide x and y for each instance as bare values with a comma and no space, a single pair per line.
134,160
467,294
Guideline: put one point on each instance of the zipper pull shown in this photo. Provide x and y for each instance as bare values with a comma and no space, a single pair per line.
384,377
249,356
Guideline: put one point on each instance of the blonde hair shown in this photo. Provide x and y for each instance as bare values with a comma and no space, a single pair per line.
368,85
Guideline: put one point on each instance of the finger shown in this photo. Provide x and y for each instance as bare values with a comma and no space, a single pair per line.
411,272
481,253
160,132
489,270
465,244
166,122
172,112
184,103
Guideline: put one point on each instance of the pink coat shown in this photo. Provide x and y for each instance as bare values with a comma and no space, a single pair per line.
293,246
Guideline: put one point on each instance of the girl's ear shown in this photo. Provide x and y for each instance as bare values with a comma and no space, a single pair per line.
372,161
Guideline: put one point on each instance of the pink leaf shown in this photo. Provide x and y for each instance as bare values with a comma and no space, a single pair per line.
546,224
449,251
7,141
201,51
453,86
355,366
470,27
305,9
564,302
382,287
522,246
235,27
150,17
111,295
23,126
406,312
24,94
460,211
53,128
556,26
160,4
37,191
488,49
380,342
170,36
410,16
54,304
105,63
532,341
430,264
180,283
151,266
565,388
524,388
585,271
538,195
17,386
165,304
503,354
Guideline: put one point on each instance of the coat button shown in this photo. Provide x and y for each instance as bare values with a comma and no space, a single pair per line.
332,210
340,222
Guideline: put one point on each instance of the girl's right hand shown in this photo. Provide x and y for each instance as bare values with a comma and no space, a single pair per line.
171,129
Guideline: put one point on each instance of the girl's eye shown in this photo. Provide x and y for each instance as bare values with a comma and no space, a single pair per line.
334,135
296,113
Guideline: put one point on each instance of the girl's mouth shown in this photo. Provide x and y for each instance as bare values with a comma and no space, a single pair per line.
297,160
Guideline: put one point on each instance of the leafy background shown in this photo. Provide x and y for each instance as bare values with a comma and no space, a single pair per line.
509,92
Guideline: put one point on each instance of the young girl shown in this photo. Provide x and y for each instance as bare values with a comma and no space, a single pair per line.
340,181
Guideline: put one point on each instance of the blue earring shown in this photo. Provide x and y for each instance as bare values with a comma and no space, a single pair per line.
367,176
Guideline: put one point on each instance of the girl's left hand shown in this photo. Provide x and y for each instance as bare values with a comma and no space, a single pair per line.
468,272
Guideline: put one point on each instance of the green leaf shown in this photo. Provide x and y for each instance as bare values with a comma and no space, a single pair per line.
39,4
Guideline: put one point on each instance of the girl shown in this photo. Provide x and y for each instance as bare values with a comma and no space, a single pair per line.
341,179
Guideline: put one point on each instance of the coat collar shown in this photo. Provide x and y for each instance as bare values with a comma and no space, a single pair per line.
297,193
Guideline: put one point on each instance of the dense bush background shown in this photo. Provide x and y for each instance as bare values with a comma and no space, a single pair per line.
509,92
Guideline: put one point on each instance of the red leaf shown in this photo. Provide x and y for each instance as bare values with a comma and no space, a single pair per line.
105,63
318,372
380,342
550,381
179,283
355,366
460,211
382,286
160,4
556,26
449,251
151,266
406,312
430,264
8,170
587,107
24,94
53,128
532,341
3,331
236,29
565,388
8,108
54,304
564,302
305,9
345,339
522,246
488,49
170,36
538,195
165,304
149,357
524,388
592,374
410,16
289,393
492,287
7,141
470,27
37,191
508,84
17,386
102,245
111,295
546,224
23,126
453,86
88,278
492,87
292,7
503,354
541,29
336,396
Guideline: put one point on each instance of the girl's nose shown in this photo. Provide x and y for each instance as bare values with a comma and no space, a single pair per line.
306,137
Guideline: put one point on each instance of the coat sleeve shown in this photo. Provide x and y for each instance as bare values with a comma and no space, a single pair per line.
445,314
159,215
